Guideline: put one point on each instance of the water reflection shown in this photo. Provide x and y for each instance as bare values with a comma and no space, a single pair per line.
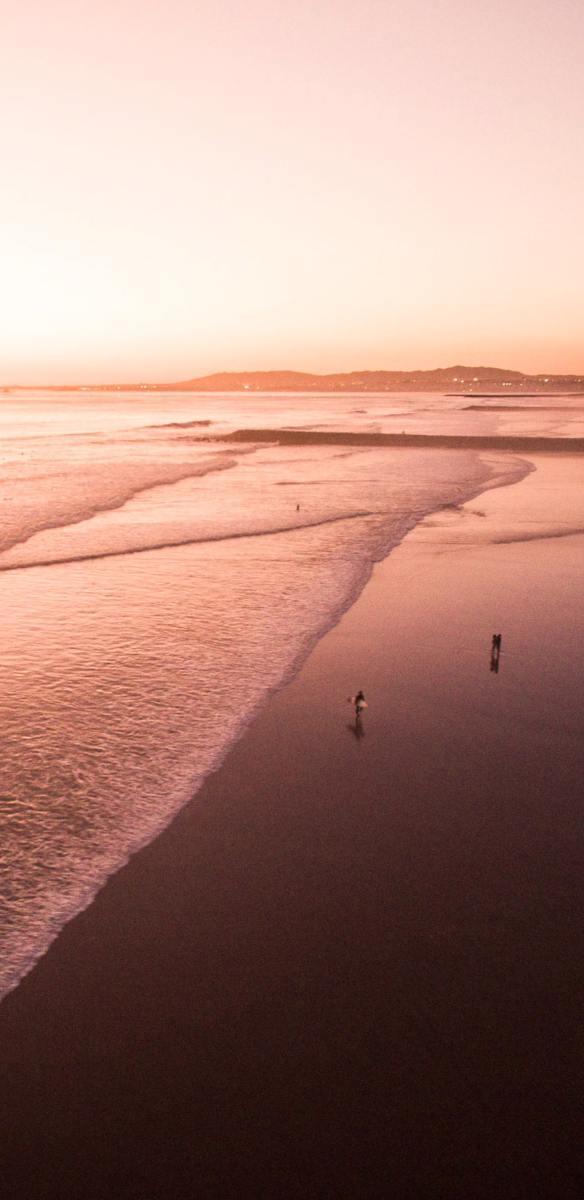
356,728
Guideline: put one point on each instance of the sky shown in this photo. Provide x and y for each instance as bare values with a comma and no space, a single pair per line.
199,185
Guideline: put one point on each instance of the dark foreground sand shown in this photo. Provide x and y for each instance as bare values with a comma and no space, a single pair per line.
350,968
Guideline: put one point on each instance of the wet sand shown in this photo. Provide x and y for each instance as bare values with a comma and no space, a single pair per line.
351,966
518,443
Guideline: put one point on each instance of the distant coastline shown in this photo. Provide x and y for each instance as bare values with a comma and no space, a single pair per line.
457,380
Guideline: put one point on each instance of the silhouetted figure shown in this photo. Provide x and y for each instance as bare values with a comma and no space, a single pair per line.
495,650
297,508
360,703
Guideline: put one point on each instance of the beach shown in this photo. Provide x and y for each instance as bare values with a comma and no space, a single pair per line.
350,966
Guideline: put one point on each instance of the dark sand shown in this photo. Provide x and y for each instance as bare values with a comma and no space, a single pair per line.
350,968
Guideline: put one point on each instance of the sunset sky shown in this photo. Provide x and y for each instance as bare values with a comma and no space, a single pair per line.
203,185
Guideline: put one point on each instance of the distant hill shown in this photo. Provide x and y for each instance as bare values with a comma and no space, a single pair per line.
457,378
352,381
460,379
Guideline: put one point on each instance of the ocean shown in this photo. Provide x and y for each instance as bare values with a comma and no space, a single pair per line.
159,584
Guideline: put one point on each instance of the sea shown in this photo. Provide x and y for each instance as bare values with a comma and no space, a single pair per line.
159,584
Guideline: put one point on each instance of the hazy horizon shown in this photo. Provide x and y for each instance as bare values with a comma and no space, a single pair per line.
142,380
331,186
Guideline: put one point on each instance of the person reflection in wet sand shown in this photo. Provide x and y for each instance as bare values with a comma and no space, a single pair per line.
495,651
357,728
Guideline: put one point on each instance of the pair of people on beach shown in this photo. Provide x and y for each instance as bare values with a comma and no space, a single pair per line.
495,651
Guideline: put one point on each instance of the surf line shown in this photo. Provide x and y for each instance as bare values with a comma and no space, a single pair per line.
201,541
114,503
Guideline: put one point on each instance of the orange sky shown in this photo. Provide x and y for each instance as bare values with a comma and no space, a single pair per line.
319,184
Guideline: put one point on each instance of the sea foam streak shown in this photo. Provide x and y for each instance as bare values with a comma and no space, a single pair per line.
129,670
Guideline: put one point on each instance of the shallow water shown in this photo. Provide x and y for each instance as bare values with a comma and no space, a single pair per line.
157,588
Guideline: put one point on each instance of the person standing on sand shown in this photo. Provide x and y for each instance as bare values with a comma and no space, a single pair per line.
360,703
495,651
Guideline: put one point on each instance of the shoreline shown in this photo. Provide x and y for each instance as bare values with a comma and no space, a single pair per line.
499,474
350,964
